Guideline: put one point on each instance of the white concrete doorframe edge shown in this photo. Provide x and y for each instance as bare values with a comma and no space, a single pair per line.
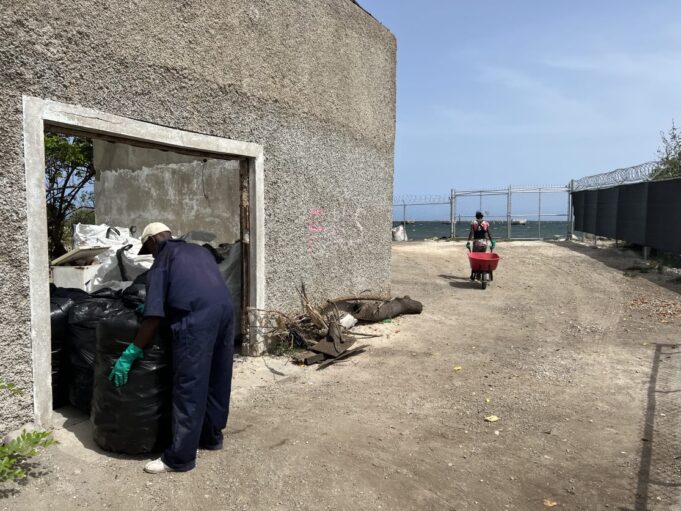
39,112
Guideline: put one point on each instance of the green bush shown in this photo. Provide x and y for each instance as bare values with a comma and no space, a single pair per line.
19,450
25,446
669,165
10,387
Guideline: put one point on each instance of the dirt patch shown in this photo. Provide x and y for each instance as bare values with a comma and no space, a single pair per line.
657,308
584,384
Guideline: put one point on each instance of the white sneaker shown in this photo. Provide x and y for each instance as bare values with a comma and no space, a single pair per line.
157,467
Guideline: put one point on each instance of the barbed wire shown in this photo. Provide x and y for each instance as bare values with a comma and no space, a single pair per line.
426,200
635,174
420,199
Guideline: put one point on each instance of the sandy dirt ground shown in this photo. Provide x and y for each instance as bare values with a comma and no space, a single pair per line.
577,357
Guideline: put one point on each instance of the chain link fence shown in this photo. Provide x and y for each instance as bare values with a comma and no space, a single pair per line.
514,212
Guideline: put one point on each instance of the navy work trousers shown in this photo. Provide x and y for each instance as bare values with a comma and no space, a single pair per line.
203,351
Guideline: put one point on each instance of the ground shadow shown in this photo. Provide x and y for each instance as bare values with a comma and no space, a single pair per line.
621,259
454,277
467,284
33,470
460,282
6,493
73,430
658,474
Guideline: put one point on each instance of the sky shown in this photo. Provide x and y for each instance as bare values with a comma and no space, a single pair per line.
496,92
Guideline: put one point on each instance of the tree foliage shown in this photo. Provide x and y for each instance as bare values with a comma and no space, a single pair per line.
669,164
69,174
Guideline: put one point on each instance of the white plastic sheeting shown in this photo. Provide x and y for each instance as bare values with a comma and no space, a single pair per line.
102,234
109,273
399,233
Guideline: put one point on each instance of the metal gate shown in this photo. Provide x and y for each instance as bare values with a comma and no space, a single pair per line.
516,210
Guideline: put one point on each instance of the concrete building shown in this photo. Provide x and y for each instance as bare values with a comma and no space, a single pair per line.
137,185
297,95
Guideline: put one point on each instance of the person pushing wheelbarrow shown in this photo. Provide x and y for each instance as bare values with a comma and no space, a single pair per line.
482,264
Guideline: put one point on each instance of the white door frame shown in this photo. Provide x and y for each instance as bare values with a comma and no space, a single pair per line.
37,114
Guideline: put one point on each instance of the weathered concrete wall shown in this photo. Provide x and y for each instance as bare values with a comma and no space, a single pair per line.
137,185
313,81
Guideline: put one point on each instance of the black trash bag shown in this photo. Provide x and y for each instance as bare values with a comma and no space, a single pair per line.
60,378
59,319
136,293
216,255
106,292
61,301
134,418
81,381
73,293
82,333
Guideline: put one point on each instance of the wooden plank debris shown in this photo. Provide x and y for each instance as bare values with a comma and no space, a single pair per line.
308,358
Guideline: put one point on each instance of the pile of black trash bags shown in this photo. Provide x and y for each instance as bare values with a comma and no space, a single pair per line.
89,332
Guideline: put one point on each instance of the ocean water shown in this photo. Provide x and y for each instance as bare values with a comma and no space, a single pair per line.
422,230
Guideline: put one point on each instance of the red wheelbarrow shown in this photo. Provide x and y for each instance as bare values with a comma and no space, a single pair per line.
483,265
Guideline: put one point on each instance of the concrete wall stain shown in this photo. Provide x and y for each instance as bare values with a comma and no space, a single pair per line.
136,185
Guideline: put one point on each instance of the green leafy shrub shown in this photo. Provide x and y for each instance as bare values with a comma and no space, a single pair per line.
19,450
25,446
10,387
669,165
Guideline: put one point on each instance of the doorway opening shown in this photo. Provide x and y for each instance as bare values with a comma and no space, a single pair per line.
207,189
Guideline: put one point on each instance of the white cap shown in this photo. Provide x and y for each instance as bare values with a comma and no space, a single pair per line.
153,229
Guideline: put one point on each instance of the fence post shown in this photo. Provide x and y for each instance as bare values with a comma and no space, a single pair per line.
570,216
539,217
404,215
455,214
452,213
509,219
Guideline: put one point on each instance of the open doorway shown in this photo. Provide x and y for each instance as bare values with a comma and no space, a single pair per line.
101,192
206,188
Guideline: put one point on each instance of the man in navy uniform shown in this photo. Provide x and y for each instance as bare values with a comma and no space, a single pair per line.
185,287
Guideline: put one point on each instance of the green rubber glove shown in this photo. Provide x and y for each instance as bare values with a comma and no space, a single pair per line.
468,245
119,373
140,309
494,244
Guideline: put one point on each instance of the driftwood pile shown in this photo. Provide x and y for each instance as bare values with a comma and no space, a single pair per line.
323,333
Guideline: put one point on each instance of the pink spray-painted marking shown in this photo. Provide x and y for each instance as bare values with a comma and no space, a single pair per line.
313,227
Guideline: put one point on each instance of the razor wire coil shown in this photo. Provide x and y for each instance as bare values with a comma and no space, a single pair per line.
635,174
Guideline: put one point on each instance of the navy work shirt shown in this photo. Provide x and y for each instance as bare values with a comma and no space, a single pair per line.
184,278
